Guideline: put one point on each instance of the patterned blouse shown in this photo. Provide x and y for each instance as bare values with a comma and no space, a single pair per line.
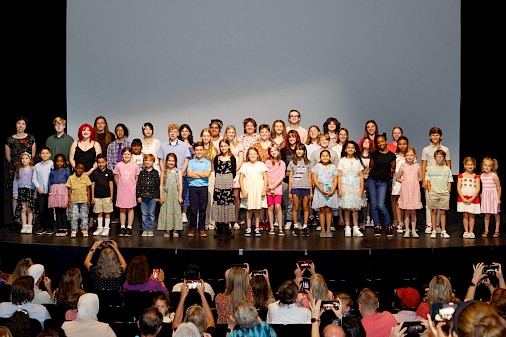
148,184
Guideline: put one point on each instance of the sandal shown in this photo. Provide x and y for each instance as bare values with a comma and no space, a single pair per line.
175,235
166,235
485,234
496,235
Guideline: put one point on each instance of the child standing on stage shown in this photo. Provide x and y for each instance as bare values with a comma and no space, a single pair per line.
400,151
23,190
137,155
410,176
59,194
491,194
199,171
276,169
299,187
171,197
351,186
126,174
253,181
324,176
223,208
468,188
40,179
439,182
382,165
148,194
79,200
102,191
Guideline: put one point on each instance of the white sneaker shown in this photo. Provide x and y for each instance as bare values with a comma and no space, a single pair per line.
357,232
433,234
428,230
288,224
247,232
465,235
332,228
144,233
98,231
318,228
105,231
150,234
400,227
28,229
438,230
184,218
445,235
414,234
276,224
23,229
347,231
257,232
406,233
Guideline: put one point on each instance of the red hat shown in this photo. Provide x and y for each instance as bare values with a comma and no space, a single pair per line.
409,296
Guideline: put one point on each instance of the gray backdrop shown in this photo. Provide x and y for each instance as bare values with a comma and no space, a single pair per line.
167,61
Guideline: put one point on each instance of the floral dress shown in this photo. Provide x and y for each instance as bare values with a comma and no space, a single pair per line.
325,177
17,146
350,184
223,208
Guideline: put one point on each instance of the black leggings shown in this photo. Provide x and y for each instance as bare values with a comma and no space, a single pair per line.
61,218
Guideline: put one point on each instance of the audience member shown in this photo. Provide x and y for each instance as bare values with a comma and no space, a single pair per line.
409,299
440,290
21,269
108,272
86,323
187,330
138,277
498,301
376,324
262,293
150,322
248,322
286,310
161,303
40,296
352,326
192,272
21,325
22,294
69,291
5,332
237,290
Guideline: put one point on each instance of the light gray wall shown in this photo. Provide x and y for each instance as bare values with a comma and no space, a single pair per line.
166,61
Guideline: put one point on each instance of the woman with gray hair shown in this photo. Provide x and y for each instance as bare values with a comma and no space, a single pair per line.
187,330
87,323
248,322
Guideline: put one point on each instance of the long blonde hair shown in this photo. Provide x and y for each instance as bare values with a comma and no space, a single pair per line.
440,289
210,152
21,269
234,142
319,287
237,286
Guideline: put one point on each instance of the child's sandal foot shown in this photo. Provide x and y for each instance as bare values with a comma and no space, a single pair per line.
496,235
485,234
166,235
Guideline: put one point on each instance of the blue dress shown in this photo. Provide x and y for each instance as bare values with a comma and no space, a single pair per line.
326,180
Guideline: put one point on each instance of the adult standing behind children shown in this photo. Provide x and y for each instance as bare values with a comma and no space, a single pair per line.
85,150
294,120
428,160
150,145
60,142
102,134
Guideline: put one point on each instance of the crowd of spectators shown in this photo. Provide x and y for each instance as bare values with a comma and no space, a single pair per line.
133,300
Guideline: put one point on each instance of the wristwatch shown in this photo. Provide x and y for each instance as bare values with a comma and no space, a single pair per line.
313,320
472,284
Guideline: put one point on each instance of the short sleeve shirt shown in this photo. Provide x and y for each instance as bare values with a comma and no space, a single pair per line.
382,165
199,166
180,149
301,172
101,180
78,188
439,177
428,154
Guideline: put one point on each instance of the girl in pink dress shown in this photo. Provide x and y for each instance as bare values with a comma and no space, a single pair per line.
491,194
126,174
275,172
410,175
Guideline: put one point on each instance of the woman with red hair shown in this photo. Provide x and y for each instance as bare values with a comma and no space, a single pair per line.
85,150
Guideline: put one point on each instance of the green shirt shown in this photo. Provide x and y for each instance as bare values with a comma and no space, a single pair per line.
59,145
439,177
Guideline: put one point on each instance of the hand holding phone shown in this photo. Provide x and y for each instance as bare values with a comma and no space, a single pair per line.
193,284
155,274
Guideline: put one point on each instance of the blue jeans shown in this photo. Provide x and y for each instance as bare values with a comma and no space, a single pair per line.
79,211
378,192
148,208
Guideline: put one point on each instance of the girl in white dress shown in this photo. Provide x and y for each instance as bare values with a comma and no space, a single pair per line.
253,180
150,145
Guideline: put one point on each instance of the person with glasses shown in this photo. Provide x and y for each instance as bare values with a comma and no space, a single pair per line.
294,119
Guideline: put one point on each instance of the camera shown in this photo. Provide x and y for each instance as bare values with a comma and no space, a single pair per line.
442,311
328,305
305,264
155,274
105,244
193,284
413,328
258,272
490,269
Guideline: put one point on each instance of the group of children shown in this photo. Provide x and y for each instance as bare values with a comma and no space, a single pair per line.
316,184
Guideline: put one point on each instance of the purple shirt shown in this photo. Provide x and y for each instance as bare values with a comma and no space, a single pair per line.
149,285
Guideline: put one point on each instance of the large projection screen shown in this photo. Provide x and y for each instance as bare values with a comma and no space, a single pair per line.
168,61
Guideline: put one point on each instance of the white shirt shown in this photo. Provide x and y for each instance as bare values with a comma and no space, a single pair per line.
288,314
207,289
87,328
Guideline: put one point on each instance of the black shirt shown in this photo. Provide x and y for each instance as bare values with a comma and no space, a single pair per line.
382,166
101,180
